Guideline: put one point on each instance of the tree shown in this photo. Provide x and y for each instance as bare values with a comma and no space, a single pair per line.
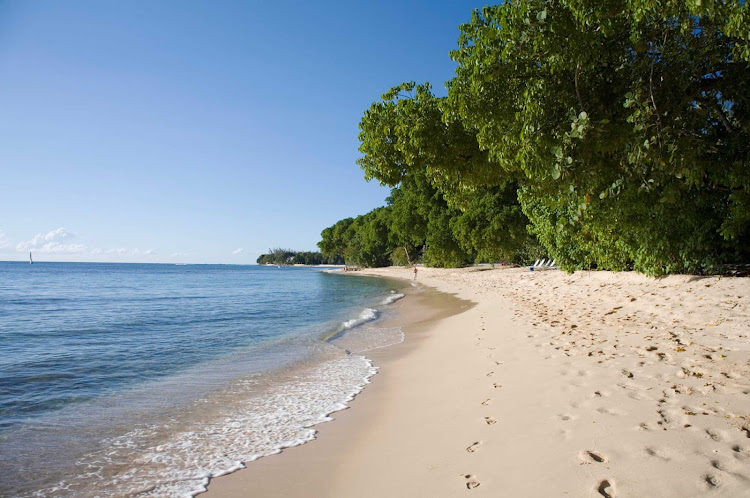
334,242
367,239
405,141
626,121
420,219
288,256
616,132
491,224
405,132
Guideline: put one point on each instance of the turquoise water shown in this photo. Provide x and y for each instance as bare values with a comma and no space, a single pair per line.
128,378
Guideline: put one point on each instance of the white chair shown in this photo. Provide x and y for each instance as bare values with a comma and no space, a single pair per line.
537,264
543,264
550,266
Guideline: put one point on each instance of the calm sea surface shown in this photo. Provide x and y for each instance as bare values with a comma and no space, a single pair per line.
120,379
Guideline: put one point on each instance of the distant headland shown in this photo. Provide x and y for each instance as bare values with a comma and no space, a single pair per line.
281,256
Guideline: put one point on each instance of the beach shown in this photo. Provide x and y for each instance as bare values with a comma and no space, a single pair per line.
215,282
540,384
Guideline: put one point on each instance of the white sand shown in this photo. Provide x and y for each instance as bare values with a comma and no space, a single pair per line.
592,384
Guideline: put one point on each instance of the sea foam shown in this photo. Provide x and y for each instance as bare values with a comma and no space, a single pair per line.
392,298
183,465
367,315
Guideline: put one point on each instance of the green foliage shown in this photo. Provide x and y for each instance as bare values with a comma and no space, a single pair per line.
277,256
406,133
627,121
616,134
441,246
289,257
367,239
435,163
491,224
400,257
420,225
421,218
334,239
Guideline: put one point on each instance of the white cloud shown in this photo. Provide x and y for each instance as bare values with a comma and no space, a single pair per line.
238,251
60,241
122,251
53,242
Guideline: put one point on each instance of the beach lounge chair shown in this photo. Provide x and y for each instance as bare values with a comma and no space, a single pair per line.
537,264
549,266
544,264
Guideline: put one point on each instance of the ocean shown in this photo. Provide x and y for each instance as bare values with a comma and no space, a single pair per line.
150,379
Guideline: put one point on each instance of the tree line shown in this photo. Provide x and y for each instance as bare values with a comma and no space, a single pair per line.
281,256
610,134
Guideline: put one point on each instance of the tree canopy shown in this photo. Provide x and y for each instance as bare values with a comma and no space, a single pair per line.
617,132
627,120
281,256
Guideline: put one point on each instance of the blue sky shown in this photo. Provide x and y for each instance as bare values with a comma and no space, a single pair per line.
183,131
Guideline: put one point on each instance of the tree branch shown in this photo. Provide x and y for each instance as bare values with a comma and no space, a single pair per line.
651,84
719,111
651,87
724,119
578,92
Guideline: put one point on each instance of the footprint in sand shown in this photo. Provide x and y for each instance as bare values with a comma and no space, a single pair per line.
653,452
490,421
711,481
473,446
606,489
496,385
471,482
607,411
588,456
487,402
713,435
739,452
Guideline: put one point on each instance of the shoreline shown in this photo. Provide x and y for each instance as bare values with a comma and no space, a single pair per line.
273,379
416,313
591,384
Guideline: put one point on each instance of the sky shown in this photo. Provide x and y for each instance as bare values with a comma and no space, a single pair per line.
197,131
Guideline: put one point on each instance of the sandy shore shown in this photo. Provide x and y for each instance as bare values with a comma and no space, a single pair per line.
592,384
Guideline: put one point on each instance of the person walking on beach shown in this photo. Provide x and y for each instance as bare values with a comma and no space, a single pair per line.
415,273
